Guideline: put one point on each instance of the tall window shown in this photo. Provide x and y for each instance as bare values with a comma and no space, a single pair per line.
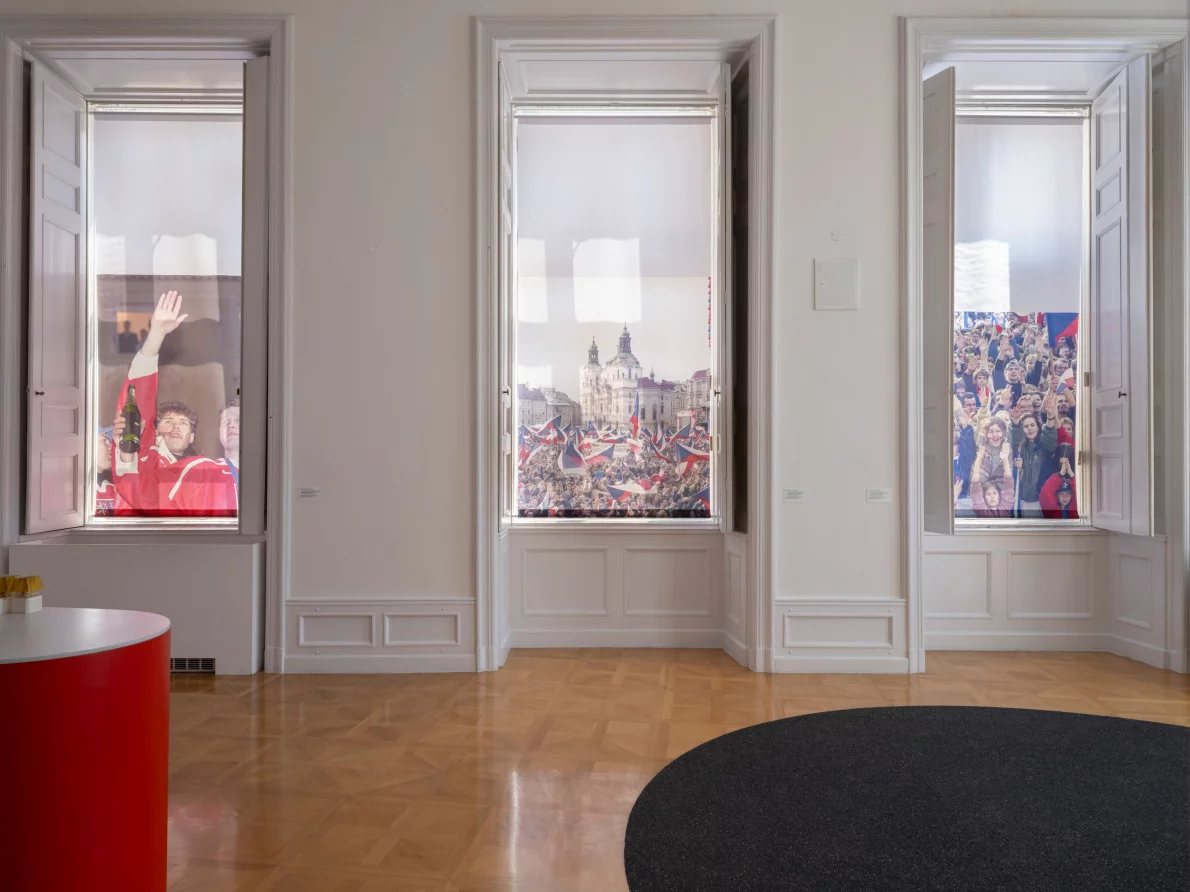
165,297
617,248
1019,286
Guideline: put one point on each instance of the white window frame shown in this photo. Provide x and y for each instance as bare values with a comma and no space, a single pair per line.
1010,107
634,37
919,37
212,104
270,35
717,112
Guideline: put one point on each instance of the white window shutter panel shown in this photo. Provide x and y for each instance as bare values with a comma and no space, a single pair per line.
1110,328
937,289
509,450
56,485
254,296
1139,292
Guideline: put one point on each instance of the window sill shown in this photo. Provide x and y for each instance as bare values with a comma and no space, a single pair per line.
143,534
1079,528
614,524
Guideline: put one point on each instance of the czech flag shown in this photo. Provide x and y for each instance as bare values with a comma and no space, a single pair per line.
704,496
635,419
688,458
600,453
570,461
657,451
684,434
551,431
623,490
1061,325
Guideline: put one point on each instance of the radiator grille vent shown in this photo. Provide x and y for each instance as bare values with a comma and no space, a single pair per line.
200,665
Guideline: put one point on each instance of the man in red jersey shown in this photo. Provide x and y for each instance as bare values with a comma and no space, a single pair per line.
167,477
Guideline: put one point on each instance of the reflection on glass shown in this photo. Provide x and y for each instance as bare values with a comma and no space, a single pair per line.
614,389
167,218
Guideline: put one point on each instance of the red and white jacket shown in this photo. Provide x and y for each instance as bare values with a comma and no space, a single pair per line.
155,482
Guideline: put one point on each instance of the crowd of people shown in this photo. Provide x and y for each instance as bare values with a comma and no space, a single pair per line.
1015,405
147,464
654,474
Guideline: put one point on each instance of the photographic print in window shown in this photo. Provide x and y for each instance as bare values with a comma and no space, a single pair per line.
1015,404
613,310
167,210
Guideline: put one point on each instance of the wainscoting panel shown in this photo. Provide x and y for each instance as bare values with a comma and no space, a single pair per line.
662,580
336,629
736,593
958,585
1015,590
1137,599
1050,584
615,588
858,635
380,636
564,581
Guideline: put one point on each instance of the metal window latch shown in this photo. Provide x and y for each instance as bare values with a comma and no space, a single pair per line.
1121,394
39,393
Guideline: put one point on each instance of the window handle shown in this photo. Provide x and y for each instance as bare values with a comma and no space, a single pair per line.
1121,394
39,393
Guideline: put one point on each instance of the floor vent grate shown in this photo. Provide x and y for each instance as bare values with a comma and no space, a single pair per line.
199,665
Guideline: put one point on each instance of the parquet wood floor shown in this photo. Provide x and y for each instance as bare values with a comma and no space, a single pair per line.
519,780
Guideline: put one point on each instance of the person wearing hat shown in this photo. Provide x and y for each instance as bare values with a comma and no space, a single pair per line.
1059,497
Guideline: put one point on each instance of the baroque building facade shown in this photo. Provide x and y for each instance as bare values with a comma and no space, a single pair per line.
608,391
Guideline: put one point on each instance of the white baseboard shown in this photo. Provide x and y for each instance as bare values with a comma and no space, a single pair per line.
1139,651
1040,641
274,660
735,648
691,638
917,661
504,649
378,664
843,664
760,659
1179,661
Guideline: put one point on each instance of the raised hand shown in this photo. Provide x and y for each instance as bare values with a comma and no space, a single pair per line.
167,315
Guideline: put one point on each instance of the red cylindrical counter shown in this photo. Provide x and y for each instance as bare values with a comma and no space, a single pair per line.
84,751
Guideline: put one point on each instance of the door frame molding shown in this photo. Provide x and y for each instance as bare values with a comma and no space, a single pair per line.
982,36
212,33
653,35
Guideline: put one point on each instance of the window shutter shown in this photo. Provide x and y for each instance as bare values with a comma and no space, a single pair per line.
56,484
937,291
1119,304
254,297
506,285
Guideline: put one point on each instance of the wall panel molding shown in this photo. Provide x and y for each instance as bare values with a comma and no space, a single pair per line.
1034,574
931,569
336,629
380,636
688,575
564,567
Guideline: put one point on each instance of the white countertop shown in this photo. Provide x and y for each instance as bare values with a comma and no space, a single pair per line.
56,632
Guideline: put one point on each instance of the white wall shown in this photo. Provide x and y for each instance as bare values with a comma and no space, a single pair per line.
167,195
384,283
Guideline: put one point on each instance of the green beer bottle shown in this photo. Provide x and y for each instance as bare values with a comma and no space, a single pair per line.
130,439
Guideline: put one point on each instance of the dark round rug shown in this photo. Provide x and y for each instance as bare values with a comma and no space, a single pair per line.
946,798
